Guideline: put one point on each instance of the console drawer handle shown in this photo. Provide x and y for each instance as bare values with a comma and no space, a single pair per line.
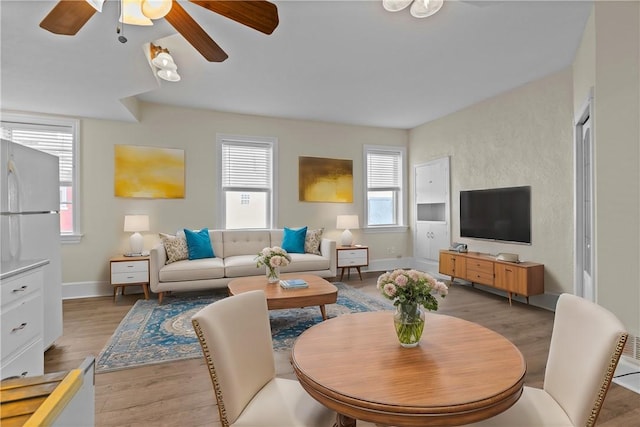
20,289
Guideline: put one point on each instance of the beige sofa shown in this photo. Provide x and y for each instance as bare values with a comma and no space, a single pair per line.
235,256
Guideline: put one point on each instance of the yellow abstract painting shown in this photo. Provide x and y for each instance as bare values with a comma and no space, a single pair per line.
325,180
148,172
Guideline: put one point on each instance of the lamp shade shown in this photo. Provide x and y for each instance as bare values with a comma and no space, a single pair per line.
164,61
395,5
156,9
132,13
169,75
347,222
133,223
425,8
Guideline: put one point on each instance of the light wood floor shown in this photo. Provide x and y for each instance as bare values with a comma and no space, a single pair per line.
180,393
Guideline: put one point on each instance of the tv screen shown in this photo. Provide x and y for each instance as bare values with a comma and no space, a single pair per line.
496,214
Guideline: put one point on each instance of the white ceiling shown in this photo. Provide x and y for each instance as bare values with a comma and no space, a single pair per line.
336,61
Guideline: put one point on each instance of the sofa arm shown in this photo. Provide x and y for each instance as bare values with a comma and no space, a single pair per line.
157,259
328,250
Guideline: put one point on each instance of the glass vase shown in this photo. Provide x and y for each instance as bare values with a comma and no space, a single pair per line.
273,274
409,324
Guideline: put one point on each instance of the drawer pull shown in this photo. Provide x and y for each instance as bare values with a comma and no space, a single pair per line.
17,328
508,271
20,289
22,375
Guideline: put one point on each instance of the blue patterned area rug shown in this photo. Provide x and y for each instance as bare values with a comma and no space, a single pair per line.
152,333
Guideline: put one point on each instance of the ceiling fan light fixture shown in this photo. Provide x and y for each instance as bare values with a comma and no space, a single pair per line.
97,4
169,75
132,13
156,9
164,61
395,5
425,8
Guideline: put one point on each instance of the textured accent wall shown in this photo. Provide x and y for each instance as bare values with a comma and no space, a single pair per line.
522,137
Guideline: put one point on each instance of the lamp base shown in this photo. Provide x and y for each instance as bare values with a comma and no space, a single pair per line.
137,243
347,238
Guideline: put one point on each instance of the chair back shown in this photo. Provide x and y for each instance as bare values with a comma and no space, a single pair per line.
586,344
235,335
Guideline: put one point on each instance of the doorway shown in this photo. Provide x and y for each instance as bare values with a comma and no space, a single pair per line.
585,285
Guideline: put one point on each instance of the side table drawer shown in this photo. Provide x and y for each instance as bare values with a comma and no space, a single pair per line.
352,257
130,277
129,267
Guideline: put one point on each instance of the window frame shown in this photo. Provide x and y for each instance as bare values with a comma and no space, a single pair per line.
33,119
401,195
243,140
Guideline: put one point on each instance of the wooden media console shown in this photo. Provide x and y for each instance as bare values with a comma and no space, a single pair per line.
523,278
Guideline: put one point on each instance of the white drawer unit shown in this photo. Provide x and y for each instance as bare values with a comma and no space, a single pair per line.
352,257
22,319
130,271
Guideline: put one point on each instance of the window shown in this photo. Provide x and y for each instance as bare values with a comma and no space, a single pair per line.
384,169
246,166
60,138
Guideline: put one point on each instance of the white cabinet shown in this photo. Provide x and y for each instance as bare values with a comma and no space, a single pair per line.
432,210
432,181
22,325
430,238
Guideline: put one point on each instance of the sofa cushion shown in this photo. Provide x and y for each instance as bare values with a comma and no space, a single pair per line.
306,262
242,265
293,240
196,269
245,242
175,247
199,244
312,241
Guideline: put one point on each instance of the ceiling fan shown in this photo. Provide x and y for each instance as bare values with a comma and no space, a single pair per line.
69,16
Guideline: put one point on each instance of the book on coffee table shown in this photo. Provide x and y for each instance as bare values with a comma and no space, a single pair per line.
293,284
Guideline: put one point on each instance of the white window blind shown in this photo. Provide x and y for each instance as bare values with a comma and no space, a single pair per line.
246,165
246,168
56,136
383,171
52,139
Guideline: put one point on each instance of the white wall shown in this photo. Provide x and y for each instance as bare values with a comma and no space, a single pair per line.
609,61
522,137
195,131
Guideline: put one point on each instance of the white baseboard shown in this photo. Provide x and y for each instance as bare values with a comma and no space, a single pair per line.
75,290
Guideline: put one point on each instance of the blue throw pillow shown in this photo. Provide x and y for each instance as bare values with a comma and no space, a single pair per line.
293,240
199,244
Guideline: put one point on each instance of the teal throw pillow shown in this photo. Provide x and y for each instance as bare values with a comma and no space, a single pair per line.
293,240
199,244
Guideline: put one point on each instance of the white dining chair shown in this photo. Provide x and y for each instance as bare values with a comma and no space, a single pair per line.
235,335
586,343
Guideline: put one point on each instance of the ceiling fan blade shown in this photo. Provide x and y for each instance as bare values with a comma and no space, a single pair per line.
67,17
190,30
260,15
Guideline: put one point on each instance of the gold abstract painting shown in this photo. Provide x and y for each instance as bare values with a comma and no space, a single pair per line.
325,180
148,172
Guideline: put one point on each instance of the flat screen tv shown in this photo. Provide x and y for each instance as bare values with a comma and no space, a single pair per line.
496,214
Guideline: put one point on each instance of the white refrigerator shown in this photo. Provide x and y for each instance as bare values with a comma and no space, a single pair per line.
30,222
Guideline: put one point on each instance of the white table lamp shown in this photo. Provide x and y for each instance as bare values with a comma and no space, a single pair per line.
135,224
347,222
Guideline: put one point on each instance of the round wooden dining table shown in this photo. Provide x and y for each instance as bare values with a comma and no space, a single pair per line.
460,372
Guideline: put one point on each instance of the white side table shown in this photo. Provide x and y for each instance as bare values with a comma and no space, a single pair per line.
126,271
352,257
